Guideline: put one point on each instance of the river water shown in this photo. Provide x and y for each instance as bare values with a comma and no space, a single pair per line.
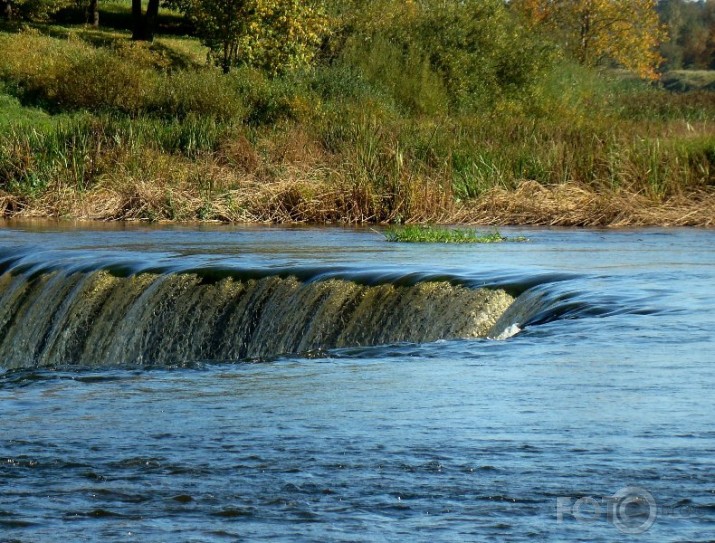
592,423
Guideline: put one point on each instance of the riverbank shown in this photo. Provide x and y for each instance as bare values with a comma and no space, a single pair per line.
296,202
95,127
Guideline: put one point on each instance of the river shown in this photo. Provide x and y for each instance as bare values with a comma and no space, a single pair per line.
593,422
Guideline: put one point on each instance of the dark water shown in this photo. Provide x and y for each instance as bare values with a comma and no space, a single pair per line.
608,387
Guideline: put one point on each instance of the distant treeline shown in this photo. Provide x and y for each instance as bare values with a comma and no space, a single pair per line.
691,27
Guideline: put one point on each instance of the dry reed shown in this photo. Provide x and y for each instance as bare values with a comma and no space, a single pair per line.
573,204
320,201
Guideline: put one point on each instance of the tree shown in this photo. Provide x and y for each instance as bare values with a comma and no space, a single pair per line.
92,13
274,35
6,8
690,28
31,9
627,32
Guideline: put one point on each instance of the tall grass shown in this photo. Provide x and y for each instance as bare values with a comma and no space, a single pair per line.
370,137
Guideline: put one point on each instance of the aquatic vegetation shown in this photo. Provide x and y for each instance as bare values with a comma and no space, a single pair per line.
435,234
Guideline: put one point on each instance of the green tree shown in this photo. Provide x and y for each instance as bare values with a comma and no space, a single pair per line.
691,28
274,35
674,18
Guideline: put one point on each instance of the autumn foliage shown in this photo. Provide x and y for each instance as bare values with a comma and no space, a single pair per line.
274,35
627,32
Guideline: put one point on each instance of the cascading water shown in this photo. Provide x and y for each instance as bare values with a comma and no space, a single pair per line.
101,309
58,317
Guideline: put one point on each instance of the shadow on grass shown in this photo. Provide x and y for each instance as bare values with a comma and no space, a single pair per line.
117,16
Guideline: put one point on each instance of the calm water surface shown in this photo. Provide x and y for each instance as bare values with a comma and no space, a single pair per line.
525,439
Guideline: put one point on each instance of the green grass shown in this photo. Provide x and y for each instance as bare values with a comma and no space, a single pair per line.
435,234
12,112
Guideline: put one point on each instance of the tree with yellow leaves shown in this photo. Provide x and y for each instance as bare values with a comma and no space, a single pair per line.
627,32
274,35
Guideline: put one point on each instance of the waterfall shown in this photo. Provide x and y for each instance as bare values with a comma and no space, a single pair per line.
95,317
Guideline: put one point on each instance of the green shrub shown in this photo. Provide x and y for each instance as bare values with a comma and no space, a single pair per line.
267,100
404,74
103,81
127,78
205,93
38,9
69,74
340,83
474,53
31,63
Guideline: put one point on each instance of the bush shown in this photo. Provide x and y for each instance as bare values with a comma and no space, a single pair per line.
31,63
341,83
70,74
267,100
38,9
102,81
404,74
474,52
129,78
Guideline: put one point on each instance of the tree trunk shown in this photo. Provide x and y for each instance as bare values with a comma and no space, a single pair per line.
137,21
152,14
225,64
6,6
585,39
144,25
93,13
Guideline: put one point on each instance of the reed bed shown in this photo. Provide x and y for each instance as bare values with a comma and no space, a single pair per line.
109,169
573,204
319,202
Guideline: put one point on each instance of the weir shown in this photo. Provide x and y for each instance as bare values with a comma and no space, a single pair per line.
92,318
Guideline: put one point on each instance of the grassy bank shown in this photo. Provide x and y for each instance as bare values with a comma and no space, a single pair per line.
93,126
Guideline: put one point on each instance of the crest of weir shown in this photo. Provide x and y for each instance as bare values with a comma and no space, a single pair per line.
96,318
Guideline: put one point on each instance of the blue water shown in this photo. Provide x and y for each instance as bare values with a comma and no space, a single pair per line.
525,439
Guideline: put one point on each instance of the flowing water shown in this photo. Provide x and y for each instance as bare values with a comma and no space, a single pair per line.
226,384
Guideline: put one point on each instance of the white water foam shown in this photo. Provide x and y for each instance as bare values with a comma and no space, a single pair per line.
510,331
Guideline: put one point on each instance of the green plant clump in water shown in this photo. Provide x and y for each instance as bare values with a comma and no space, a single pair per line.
431,234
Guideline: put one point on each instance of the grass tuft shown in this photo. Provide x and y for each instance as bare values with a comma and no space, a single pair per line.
434,234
